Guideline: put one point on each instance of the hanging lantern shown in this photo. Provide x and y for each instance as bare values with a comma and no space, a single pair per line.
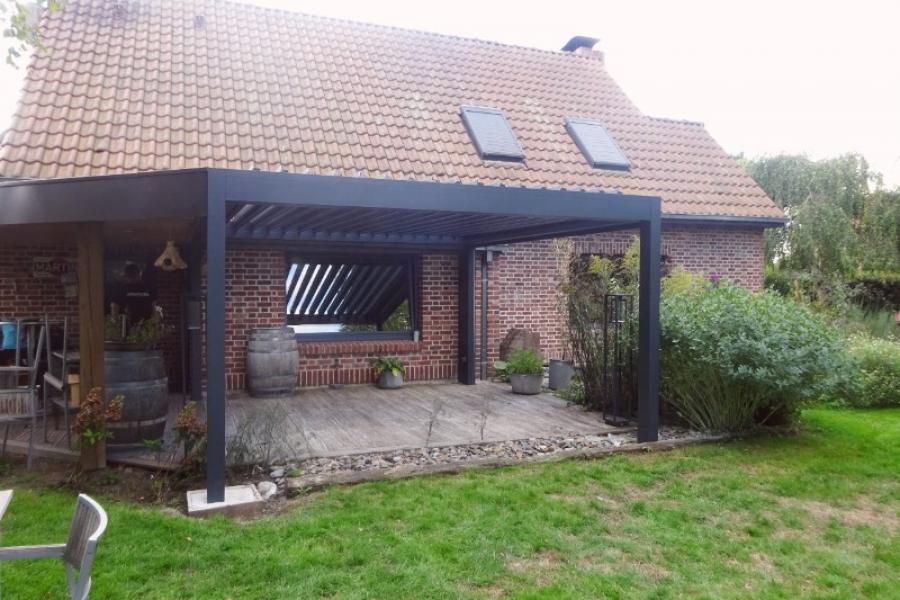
170,259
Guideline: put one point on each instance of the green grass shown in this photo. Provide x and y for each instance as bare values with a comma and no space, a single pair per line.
815,515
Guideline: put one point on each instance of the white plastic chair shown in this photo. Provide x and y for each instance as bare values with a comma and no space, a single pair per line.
77,553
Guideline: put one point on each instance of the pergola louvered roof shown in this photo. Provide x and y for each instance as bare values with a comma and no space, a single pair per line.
318,223
353,210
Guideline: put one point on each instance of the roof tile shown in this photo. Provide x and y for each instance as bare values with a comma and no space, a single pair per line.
143,88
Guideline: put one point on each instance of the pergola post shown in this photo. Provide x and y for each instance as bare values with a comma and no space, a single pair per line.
91,306
466,304
215,338
648,331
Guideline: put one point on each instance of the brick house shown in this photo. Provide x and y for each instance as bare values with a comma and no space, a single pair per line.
160,85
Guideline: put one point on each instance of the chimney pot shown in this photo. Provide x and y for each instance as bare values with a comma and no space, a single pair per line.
578,42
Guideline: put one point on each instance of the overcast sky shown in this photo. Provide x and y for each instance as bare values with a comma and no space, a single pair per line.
765,77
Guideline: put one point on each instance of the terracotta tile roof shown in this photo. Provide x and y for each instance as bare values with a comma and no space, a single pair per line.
166,84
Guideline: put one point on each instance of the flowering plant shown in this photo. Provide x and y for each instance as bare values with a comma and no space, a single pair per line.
92,421
190,431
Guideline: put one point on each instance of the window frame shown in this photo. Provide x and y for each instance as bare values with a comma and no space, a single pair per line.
409,261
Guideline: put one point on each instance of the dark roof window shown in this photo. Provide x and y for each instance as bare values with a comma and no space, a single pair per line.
490,132
597,145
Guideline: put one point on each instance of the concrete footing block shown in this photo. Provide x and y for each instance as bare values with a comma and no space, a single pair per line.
240,501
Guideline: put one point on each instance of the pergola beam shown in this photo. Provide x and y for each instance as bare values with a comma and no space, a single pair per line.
254,187
156,195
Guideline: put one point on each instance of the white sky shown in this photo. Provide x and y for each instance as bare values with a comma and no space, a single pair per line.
767,76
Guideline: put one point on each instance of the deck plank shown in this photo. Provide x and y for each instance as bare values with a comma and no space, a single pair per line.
362,418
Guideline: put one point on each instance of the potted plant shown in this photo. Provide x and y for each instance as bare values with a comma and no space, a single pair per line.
134,364
92,428
389,371
526,371
141,335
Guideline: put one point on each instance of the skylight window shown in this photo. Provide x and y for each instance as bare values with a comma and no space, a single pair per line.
490,132
598,147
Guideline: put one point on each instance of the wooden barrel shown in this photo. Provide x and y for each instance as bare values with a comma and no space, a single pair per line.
273,363
140,377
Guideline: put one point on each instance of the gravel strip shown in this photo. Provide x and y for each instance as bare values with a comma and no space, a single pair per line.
513,449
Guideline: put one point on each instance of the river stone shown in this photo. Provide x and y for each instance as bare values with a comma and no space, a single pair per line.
266,489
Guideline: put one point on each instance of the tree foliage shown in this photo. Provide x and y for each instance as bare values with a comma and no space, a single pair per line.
20,22
842,220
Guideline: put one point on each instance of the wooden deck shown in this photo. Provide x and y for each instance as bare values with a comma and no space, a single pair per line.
318,422
359,419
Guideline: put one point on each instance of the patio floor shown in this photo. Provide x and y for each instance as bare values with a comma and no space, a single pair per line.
359,419
327,422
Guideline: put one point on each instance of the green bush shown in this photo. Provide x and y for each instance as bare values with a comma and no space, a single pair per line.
524,361
388,364
733,359
877,374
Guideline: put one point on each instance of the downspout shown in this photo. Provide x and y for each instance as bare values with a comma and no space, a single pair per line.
487,257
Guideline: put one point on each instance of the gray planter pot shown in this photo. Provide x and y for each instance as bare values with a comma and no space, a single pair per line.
389,381
526,384
561,372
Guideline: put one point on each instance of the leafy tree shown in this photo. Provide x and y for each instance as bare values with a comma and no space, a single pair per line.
21,25
842,221
880,230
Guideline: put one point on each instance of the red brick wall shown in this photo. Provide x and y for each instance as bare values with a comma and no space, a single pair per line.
254,297
23,295
434,356
523,280
736,253
522,293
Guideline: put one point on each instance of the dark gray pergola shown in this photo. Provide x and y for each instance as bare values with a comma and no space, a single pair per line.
341,213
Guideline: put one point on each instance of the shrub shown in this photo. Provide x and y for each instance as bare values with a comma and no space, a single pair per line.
732,359
524,361
590,279
877,375
388,364
875,323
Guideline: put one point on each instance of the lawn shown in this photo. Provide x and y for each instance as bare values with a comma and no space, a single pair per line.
811,515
